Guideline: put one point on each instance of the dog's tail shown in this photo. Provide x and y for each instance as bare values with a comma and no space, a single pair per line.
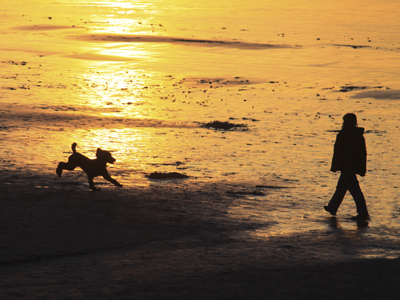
73,146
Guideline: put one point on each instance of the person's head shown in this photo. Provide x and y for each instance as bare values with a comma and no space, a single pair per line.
349,120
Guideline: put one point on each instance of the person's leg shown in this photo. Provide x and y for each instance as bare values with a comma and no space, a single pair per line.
338,196
353,187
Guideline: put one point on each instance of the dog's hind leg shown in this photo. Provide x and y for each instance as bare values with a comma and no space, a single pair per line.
64,166
112,180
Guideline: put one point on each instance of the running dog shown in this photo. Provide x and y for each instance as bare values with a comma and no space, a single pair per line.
92,167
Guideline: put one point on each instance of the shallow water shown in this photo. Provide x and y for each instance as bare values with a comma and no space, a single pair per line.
139,80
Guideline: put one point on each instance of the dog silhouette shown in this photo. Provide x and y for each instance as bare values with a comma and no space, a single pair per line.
92,167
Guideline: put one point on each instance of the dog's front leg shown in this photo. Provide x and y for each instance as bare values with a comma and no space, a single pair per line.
112,180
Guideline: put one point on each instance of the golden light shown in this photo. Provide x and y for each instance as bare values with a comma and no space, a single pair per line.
115,92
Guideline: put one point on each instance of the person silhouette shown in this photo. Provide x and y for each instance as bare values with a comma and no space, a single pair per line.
350,158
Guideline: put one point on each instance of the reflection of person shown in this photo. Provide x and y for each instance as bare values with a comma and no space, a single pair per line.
350,158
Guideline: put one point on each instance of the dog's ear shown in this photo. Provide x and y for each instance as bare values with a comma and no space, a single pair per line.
98,152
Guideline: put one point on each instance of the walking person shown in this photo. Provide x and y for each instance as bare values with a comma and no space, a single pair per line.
350,158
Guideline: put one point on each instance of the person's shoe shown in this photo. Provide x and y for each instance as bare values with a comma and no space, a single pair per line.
333,213
360,217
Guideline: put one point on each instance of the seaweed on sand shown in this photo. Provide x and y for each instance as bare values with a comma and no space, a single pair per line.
171,175
223,125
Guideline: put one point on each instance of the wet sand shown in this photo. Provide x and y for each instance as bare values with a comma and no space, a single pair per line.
248,223
160,242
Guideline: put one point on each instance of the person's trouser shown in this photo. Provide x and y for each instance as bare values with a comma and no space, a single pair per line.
348,182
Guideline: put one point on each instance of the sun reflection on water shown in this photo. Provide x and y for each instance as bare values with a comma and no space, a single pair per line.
126,51
123,17
115,89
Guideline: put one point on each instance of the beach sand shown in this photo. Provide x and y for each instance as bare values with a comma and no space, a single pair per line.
159,242
140,81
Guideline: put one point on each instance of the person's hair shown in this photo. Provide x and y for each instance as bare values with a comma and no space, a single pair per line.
349,120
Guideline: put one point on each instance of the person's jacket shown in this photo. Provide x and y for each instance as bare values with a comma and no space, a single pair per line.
350,153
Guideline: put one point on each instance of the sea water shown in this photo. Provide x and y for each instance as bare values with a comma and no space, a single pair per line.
140,78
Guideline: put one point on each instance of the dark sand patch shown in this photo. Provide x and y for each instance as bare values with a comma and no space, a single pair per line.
44,27
177,40
351,46
219,82
392,49
349,88
380,95
215,81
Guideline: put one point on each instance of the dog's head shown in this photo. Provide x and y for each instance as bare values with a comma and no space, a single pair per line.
105,156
